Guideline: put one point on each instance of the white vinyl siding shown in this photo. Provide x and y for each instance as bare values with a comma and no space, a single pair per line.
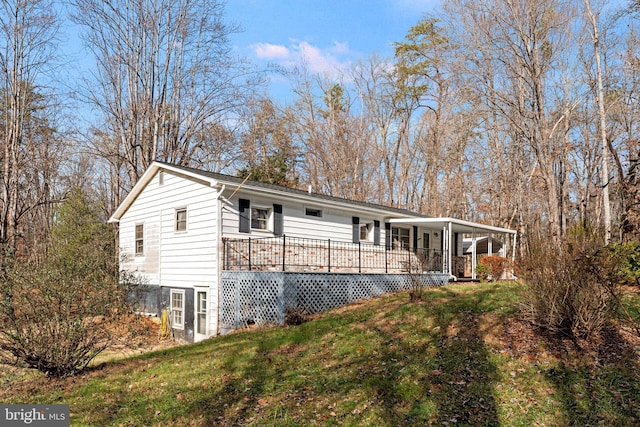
334,223
188,256
173,259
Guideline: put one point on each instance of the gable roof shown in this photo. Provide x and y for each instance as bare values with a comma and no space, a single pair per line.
217,180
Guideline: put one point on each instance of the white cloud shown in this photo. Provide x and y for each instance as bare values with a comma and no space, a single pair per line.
320,61
340,48
270,51
327,61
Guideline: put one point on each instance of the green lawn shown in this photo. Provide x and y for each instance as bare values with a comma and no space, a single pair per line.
448,360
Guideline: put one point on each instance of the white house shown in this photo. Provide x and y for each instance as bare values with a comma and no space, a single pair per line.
179,228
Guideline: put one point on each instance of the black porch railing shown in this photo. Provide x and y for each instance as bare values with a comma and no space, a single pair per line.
301,254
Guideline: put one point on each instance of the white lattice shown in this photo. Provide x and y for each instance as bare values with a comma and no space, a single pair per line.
250,297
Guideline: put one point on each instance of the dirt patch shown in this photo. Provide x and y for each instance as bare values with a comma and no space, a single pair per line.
519,338
140,334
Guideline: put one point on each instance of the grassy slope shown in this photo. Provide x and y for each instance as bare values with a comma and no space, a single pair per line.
385,362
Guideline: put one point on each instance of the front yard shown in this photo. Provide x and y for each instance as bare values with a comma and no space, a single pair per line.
458,357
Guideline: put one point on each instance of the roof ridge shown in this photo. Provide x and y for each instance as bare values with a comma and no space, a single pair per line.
292,190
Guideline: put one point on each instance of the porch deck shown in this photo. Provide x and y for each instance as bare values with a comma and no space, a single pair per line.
289,254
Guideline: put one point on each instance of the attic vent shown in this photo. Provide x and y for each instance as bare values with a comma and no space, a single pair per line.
313,212
161,178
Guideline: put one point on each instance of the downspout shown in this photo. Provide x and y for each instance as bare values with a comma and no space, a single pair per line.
218,255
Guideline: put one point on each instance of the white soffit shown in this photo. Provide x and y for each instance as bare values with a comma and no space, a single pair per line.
457,225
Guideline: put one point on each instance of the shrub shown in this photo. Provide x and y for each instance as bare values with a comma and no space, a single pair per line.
58,315
418,263
295,316
572,286
496,265
482,271
629,267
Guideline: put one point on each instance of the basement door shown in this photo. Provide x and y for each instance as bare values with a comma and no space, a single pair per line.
200,316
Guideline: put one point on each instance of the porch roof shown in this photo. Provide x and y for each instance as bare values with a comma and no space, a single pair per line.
457,225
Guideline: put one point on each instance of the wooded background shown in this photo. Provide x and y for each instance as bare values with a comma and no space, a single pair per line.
518,114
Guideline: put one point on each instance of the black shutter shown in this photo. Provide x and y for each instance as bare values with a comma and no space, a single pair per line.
376,232
244,210
387,235
355,221
278,222
415,238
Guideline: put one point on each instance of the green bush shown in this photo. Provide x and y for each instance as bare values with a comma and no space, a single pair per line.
483,271
629,268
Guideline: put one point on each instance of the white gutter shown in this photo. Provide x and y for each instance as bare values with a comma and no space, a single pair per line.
438,221
320,201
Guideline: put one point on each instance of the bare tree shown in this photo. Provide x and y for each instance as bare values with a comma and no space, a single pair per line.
604,168
165,78
519,44
332,136
27,43
387,116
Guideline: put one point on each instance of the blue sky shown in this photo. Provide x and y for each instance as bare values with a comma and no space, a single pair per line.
328,34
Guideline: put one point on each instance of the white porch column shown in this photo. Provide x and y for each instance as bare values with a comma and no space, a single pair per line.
450,255
513,255
489,244
445,245
473,255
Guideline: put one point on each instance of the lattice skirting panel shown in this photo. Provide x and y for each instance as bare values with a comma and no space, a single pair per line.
262,298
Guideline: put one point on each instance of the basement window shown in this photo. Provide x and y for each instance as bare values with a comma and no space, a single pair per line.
177,308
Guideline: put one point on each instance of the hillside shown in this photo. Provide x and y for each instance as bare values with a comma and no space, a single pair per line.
459,357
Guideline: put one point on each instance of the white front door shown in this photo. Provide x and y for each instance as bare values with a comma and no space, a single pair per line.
201,315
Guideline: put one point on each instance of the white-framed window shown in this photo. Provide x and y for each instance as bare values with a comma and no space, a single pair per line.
260,218
139,239
181,219
400,237
366,230
177,308
313,212
426,237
